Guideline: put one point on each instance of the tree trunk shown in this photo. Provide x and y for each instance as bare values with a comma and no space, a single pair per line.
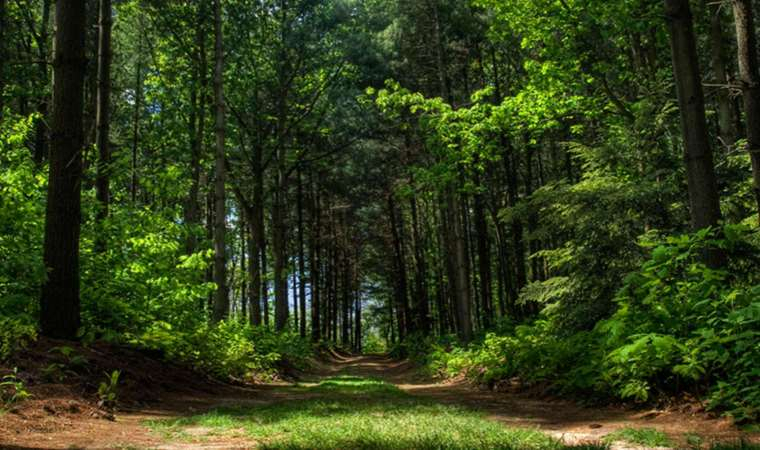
518,245
197,127
136,130
314,270
243,269
301,259
281,312
703,191
221,299
400,284
254,270
103,120
41,127
750,80
358,324
422,306
726,119
461,283
59,303
346,296
484,257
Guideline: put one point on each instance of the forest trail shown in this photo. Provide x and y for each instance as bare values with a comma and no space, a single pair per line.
565,420
220,420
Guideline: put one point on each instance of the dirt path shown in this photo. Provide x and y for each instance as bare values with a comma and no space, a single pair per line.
565,420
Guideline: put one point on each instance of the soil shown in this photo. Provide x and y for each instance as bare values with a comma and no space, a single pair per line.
66,415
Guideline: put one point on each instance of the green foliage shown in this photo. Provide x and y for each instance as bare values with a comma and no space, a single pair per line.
648,437
22,211
108,390
15,332
12,389
227,349
679,325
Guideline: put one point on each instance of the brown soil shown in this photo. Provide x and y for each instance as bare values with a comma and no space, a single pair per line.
66,415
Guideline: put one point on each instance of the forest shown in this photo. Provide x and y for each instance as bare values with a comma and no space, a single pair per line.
368,213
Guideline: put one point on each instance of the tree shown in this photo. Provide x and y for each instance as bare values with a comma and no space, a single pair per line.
750,83
103,115
60,304
221,298
703,188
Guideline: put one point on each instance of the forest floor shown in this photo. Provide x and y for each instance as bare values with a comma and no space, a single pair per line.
344,402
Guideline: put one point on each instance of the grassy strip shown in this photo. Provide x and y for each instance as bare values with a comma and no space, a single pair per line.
360,413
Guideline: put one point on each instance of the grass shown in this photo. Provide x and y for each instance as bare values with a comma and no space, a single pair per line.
362,414
740,445
648,437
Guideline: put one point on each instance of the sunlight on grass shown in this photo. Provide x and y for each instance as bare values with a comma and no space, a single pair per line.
648,437
360,413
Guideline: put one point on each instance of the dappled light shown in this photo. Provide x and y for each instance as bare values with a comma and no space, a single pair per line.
379,224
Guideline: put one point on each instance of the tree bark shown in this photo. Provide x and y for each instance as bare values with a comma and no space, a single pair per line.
314,269
197,130
221,298
243,269
461,283
750,81
59,303
703,191
103,120
136,130
484,257
301,259
41,128
422,300
281,312
726,119
400,285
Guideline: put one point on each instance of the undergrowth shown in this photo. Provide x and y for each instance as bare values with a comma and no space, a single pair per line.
679,326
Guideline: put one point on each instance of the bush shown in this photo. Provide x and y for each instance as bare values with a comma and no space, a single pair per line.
679,325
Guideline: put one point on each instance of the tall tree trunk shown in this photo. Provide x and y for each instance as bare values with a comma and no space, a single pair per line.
422,301
461,283
346,296
59,303
243,270
221,299
258,242
264,270
279,250
518,244
750,80
295,295
726,119
103,120
254,270
400,285
136,129
197,129
703,190
301,259
484,256
314,269
358,323
41,127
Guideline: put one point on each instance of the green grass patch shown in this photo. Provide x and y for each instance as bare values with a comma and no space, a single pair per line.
648,437
363,414
739,445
